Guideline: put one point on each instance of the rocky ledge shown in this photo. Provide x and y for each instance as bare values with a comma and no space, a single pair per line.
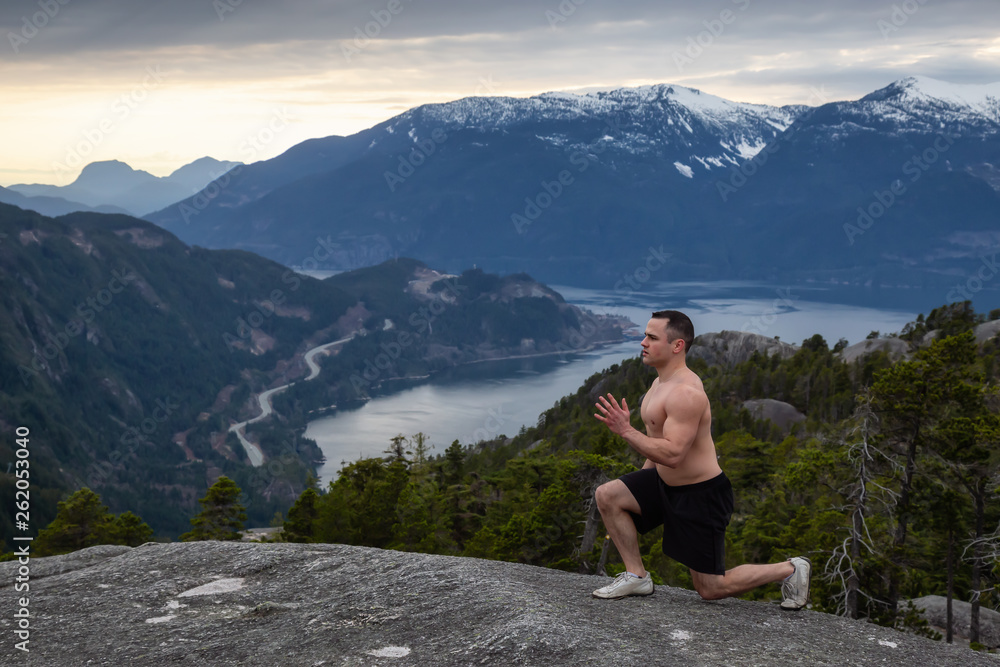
224,603
729,348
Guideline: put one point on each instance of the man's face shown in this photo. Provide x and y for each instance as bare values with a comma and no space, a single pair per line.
656,349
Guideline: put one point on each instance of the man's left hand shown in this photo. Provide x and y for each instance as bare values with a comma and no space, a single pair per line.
614,415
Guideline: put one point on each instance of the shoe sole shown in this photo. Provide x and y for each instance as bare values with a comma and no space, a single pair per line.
619,597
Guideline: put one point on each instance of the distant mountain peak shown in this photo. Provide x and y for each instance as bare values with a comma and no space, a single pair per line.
202,164
503,112
982,98
659,92
113,185
97,173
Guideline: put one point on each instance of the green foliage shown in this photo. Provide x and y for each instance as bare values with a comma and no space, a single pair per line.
300,526
129,529
82,520
948,320
112,369
222,514
116,336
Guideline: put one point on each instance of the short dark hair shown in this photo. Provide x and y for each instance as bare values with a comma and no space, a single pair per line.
678,325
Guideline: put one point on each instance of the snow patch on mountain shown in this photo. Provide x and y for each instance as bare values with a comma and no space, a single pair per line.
657,119
982,97
710,162
748,150
921,104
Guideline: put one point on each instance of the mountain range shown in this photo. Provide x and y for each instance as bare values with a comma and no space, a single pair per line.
897,188
115,187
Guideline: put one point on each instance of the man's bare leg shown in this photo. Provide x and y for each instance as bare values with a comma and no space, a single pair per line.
615,501
739,579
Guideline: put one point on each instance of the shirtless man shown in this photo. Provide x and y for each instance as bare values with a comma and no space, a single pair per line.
681,485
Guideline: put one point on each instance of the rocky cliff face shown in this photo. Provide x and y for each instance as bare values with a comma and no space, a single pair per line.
215,603
896,349
729,348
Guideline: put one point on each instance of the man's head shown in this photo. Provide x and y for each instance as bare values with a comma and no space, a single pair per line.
676,326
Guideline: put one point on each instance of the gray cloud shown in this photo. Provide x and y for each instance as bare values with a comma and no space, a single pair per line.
255,54
83,26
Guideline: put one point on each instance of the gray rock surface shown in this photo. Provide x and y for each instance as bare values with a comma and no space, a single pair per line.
729,348
781,413
896,349
986,330
936,613
53,565
235,603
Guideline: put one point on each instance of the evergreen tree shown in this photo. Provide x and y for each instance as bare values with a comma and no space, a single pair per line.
300,526
130,530
222,515
421,451
81,521
454,461
911,398
397,451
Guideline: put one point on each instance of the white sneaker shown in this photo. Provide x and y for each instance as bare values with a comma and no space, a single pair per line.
795,589
626,584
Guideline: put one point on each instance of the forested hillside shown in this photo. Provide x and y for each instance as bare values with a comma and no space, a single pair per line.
128,355
888,486
117,345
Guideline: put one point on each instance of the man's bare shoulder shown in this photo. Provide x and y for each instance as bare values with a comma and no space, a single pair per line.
685,396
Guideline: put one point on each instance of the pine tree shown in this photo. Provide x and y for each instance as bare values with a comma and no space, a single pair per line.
454,461
130,530
222,515
300,526
81,521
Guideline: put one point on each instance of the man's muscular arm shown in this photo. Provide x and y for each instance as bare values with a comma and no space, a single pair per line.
683,408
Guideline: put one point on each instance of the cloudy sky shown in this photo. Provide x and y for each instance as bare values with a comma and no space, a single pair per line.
160,83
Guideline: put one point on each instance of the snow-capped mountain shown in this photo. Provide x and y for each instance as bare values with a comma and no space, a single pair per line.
916,105
415,182
698,129
925,104
899,186
572,187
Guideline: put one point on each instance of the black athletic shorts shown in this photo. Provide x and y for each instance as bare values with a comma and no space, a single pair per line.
694,517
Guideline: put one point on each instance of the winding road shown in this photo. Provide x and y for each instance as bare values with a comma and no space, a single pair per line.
254,453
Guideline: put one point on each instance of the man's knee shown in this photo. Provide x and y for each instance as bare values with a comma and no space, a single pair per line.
605,495
708,592
709,589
